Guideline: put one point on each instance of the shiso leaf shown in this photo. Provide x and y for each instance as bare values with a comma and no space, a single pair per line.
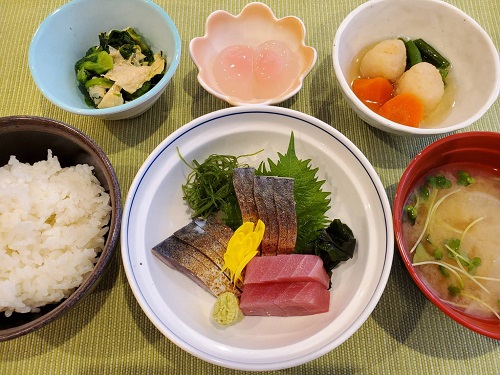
312,201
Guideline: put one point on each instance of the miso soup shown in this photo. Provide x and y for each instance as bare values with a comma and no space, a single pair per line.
452,228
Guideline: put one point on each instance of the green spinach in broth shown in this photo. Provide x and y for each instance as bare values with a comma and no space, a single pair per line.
451,227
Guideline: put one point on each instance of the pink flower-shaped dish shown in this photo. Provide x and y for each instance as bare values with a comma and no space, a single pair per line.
252,58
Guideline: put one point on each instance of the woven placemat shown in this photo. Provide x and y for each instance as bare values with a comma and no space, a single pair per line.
108,333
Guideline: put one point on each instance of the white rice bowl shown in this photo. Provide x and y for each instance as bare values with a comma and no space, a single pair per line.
52,226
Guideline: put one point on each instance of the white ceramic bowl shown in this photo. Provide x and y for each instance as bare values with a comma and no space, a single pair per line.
256,24
475,61
66,34
181,309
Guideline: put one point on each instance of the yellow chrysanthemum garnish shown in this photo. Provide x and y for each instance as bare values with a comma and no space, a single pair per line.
242,247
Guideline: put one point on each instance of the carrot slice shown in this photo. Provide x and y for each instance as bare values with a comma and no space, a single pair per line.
372,91
405,108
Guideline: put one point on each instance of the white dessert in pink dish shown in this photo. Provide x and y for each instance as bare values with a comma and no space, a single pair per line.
265,66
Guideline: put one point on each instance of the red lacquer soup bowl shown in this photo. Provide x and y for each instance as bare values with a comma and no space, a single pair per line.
472,149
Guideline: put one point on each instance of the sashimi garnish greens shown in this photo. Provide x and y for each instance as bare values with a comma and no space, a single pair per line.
334,244
209,191
209,188
450,259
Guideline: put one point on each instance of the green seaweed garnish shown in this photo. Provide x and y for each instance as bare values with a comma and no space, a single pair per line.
334,244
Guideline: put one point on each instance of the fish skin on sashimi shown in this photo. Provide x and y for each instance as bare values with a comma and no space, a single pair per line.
216,228
286,268
266,208
188,260
244,189
270,199
195,236
284,202
285,299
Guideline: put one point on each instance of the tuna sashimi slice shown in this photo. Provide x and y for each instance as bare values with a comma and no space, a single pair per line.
286,268
285,299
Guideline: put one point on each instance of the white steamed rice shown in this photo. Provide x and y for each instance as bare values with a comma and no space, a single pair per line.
52,226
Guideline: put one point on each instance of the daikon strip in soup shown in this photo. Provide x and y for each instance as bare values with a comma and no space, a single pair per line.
452,229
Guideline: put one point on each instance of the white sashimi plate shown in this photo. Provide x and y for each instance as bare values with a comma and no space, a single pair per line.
181,309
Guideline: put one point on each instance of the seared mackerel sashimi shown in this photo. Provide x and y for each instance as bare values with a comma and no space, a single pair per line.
188,260
243,187
210,237
285,212
270,199
197,249
286,269
264,200
285,299
216,228
206,244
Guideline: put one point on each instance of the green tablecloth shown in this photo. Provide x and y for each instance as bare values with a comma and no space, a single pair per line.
109,333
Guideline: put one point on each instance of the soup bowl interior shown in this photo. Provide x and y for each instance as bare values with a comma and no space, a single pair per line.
481,149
